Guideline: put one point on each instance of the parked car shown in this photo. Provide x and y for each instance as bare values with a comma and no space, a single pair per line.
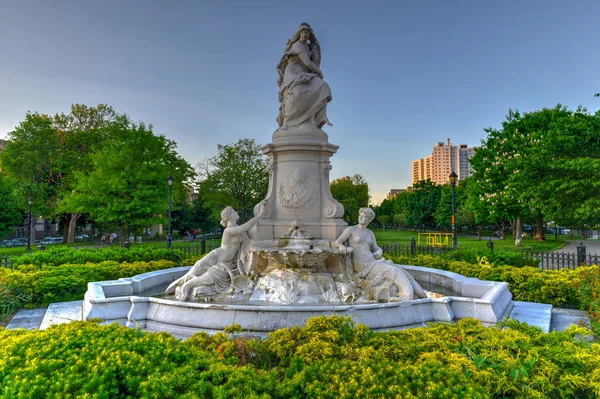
52,240
82,237
18,242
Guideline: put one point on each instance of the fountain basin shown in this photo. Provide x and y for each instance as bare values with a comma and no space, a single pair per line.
128,301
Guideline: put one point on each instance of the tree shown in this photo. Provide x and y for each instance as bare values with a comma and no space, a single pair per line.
384,220
571,165
80,133
541,162
30,157
422,203
127,184
11,214
352,193
400,220
44,152
237,176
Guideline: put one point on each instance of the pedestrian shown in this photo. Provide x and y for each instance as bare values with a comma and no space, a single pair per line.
103,240
194,235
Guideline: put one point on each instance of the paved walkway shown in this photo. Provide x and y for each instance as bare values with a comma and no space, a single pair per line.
591,247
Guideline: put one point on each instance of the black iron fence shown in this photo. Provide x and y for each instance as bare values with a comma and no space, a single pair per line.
562,260
194,250
547,260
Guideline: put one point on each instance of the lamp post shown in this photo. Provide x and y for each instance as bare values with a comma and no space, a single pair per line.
452,178
170,181
30,202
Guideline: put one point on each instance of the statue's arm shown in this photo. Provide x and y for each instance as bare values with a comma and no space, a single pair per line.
244,227
343,238
249,224
305,58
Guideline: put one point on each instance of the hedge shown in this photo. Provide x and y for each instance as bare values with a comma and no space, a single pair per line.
328,358
57,256
33,286
579,288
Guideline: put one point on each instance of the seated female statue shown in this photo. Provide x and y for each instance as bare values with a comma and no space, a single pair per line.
214,273
381,279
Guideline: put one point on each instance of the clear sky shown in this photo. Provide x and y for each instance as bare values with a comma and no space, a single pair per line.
404,74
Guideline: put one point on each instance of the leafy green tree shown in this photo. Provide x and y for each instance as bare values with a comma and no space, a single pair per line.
80,133
30,157
570,158
465,219
237,176
400,220
540,162
352,193
11,212
384,220
422,203
126,186
386,207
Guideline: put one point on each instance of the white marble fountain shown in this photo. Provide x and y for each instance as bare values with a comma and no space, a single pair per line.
296,258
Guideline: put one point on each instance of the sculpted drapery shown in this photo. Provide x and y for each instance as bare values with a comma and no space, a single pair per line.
303,94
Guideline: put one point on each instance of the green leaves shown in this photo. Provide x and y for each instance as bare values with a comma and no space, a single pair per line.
352,193
127,183
236,176
546,161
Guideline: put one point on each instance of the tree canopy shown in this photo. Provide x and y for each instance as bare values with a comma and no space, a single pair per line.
352,193
127,184
237,176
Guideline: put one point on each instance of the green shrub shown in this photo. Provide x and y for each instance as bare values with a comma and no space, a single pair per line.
48,284
579,288
498,258
62,255
328,358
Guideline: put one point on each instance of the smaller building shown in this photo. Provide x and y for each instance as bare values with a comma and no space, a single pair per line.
395,191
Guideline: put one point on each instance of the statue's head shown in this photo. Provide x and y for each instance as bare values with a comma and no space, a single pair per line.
305,32
365,216
228,214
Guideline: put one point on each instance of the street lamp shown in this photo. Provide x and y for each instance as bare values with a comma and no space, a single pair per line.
30,202
453,176
170,181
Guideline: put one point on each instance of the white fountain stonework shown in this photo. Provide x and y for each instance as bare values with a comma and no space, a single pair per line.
296,258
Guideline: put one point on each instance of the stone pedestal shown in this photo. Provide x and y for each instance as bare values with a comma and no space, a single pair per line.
299,192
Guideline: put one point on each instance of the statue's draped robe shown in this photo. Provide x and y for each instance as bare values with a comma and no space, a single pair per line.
217,279
305,95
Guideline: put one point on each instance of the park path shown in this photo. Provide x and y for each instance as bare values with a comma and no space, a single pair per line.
591,247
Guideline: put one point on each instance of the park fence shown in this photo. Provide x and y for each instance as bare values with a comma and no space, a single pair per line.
547,260
195,250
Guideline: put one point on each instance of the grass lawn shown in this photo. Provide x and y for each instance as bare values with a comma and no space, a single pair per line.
470,241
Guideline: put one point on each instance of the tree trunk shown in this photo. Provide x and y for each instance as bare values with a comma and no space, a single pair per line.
72,225
517,230
539,227
32,231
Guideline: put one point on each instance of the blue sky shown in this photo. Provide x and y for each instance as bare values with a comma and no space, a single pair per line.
404,75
